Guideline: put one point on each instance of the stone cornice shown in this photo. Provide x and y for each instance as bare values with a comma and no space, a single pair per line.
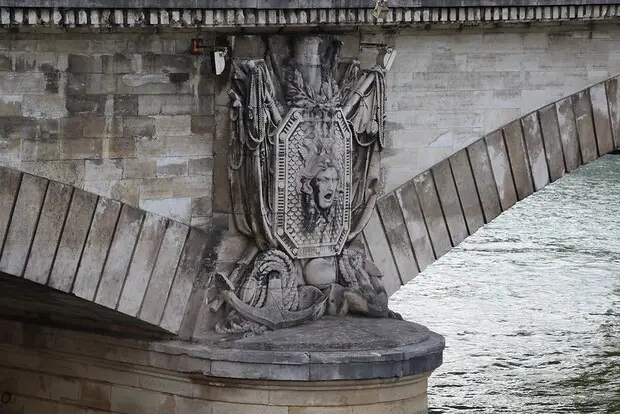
308,17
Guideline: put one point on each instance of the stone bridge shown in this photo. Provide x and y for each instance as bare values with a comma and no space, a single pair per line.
152,270
89,248
115,205
428,215
114,145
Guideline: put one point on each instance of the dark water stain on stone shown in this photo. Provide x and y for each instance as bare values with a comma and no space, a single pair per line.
52,77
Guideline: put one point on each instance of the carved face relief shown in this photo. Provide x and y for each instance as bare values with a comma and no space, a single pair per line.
313,182
325,185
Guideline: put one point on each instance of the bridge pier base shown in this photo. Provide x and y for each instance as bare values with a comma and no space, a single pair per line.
334,365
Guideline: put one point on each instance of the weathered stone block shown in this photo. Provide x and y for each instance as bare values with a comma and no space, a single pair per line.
151,84
380,252
613,98
118,148
17,128
10,180
105,169
86,104
201,124
553,145
82,148
187,272
450,202
189,146
221,188
202,206
585,126
6,63
139,168
90,83
173,126
10,105
46,106
95,394
175,187
23,224
535,150
40,150
568,133
396,232
22,83
166,105
200,166
602,122
519,163
172,167
127,191
466,188
163,273
68,172
433,215
72,240
84,63
179,209
96,248
117,63
119,257
157,63
134,127
142,263
125,105
10,153
485,182
47,236
500,164
66,128
102,127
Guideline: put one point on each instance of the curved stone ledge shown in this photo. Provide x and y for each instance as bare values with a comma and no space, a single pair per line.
332,348
125,376
360,15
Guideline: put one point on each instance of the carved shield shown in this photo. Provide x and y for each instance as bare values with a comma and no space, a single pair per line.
313,151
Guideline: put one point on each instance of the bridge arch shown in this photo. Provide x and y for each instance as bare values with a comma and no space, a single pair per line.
138,270
424,218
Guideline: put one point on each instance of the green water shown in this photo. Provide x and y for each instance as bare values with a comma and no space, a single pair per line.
530,304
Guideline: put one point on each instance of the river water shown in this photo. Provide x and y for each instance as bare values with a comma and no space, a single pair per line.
530,304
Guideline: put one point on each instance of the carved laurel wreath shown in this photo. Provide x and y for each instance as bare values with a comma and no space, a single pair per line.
302,95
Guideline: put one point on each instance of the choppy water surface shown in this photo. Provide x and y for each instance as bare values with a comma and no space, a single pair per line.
530,304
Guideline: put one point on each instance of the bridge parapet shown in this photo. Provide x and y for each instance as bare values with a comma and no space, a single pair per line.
428,215
276,14
98,249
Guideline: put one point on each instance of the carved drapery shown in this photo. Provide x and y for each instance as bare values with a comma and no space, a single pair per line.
303,175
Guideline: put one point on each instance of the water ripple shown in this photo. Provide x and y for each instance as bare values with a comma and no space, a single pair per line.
530,304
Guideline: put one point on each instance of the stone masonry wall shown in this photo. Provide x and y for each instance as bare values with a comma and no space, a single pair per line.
448,88
124,115
131,115
53,371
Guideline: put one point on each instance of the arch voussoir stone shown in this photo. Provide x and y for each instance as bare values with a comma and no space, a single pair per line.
500,164
553,145
474,185
467,193
613,101
86,248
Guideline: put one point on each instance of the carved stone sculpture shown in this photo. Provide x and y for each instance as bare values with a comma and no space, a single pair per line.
303,172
